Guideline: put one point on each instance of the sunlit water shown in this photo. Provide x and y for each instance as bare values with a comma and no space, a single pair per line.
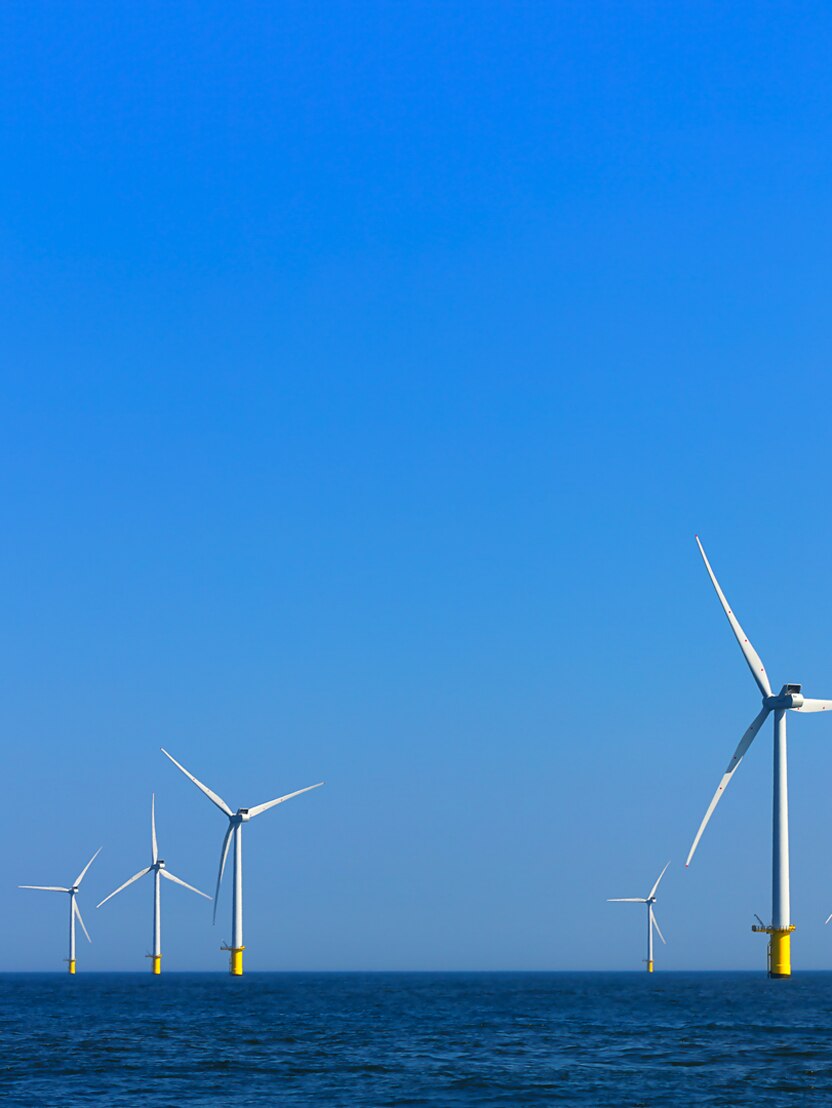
415,1039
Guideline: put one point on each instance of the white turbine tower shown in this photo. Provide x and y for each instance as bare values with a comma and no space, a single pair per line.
235,831
788,699
159,870
74,910
649,900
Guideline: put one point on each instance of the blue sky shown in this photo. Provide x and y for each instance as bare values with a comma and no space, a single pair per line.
367,371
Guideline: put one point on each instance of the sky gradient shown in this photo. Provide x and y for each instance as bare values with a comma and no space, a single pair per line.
367,372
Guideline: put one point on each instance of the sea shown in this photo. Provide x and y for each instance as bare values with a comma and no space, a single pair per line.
433,1039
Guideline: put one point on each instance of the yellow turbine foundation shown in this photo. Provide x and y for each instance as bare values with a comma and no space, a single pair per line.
650,965
236,961
72,965
780,953
157,963
779,950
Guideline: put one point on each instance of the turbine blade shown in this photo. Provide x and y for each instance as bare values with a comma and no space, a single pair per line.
218,800
252,812
828,918
654,890
153,845
755,664
658,929
225,844
626,900
739,753
78,916
80,876
809,705
135,877
179,881
46,888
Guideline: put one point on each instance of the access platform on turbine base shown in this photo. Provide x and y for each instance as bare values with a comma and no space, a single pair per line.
156,963
779,949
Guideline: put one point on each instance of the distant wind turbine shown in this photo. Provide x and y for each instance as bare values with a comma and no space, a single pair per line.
159,870
235,831
649,900
74,910
788,699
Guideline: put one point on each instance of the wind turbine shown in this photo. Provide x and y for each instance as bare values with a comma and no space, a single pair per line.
235,831
788,699
649,900
159,870
74,910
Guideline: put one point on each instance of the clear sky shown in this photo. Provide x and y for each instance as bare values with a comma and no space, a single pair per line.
367,369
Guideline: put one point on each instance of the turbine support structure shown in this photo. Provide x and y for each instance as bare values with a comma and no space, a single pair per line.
649,938
156,956
780,962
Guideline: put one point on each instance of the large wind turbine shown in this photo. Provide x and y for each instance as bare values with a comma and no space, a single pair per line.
788,699
159,870
74,910
649,900
235,831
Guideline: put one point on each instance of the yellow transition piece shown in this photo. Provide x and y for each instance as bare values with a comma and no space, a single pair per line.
72,965
236,967
650,966
157,963
780,953
779,949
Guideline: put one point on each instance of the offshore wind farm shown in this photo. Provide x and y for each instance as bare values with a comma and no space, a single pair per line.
779,930
368,372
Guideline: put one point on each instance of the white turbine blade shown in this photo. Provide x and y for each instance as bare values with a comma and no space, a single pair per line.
218,800
626,900
739,753
755,664
153,845
225,844
46,888
655,923
80,876
828,918
77,912
655,888
252,812
135,877
809,705
179,881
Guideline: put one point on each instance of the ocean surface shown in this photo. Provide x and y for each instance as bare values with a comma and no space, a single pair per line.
416,1039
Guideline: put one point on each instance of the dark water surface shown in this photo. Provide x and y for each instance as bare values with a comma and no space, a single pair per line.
417,1039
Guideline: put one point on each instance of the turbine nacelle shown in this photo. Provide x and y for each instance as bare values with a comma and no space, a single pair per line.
788,697
241,815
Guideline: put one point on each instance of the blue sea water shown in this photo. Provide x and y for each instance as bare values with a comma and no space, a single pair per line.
416,1039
